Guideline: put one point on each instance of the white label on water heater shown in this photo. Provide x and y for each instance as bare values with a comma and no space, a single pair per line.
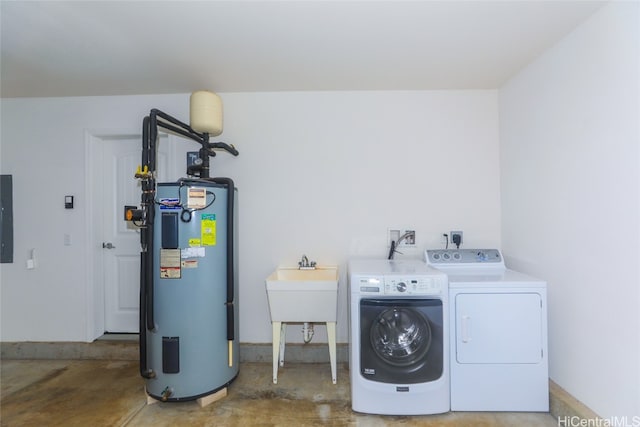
170,264
197,198
190,263
193,253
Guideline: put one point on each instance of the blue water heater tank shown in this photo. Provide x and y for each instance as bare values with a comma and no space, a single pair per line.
192,348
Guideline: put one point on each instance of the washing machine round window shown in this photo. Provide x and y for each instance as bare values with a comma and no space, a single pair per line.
400,336
401,340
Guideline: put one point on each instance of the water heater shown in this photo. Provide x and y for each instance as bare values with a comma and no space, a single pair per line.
189,346
195,284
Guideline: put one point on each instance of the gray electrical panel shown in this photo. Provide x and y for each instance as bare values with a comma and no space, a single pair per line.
6,218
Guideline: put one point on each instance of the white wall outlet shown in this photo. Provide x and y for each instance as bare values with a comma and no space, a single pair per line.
452,237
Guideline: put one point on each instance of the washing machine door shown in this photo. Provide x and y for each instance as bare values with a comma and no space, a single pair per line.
400,336
401,340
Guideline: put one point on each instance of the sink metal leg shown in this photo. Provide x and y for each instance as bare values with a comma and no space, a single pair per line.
276,331
283,340
331,337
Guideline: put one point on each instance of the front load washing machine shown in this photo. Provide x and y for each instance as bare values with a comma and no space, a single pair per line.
398,337
498,333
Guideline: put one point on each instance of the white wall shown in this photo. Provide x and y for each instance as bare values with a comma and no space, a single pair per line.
570,138
43,147
323,174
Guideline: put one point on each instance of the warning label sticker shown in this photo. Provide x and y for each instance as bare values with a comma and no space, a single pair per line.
170,264
190,263
197,198
208,229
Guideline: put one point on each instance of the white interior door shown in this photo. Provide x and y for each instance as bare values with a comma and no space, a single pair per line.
121,239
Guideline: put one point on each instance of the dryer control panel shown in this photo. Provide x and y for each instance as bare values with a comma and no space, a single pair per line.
405,285
463,257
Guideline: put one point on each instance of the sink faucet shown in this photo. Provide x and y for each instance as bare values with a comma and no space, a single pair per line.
305,264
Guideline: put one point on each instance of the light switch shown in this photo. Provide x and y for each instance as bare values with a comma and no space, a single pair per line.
31,262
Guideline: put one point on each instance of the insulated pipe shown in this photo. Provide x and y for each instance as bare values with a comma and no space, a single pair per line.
204,156
141,320
148,205
146,234
174,125
145,372
145,141
229,148
230,256
180,131
149,270
153,139
183,128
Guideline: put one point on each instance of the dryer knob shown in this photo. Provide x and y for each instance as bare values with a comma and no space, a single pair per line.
401,287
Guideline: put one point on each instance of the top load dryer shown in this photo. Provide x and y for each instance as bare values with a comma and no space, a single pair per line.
498,333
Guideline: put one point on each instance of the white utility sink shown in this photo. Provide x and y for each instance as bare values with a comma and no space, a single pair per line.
303,295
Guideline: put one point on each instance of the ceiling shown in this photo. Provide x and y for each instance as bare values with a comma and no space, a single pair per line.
82,48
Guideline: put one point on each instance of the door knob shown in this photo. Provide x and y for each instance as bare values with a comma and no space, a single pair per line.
108,245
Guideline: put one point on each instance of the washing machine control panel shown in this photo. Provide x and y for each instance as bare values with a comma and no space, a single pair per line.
370,284
399,285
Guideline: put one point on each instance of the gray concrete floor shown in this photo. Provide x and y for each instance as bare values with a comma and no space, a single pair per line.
111,393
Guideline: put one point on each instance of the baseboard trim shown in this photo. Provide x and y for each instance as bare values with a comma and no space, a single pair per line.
567,409
113,349
125,348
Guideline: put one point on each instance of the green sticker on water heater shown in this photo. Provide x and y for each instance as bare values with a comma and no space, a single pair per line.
208,229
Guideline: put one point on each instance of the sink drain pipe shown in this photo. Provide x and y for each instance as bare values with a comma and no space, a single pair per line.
307,332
